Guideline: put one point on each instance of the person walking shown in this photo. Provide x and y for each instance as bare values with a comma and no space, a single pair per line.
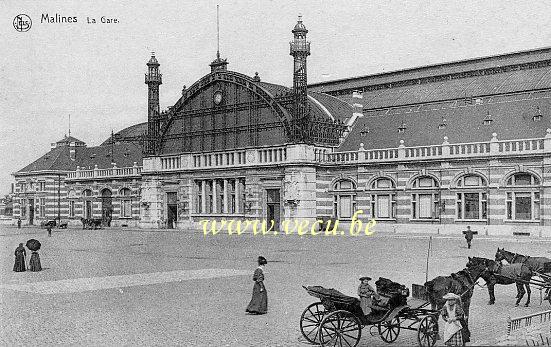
259,301
453,315
18,223
20,255
34,263
468,236
49,230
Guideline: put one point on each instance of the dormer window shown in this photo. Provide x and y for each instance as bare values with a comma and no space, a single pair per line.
364,131
488,119
538,116
402,127
443,124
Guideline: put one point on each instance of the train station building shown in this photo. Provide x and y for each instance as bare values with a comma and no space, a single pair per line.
433,149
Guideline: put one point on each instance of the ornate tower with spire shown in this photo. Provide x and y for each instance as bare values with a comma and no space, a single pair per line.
153,78
218,63
300,50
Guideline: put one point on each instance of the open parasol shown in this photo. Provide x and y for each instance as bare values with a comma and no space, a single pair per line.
33,245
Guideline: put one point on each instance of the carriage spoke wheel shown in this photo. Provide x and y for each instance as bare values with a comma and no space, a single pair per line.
340,329
427,331
310,321
389,330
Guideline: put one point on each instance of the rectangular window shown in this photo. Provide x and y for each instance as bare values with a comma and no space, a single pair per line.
425,206
42,210
199,196
209,196
523,206
243,195
459,206
232,201
126,208
220,196
42,186
345,206
472,206
71,208
383,204
537,205
414,206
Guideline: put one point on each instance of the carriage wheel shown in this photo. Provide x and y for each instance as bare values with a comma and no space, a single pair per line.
427,331
340,328
310,321
389,331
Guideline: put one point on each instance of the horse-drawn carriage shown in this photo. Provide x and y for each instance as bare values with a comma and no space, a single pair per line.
50,223
338,319
91,223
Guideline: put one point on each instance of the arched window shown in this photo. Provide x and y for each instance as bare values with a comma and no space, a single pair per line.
106,192
126,203
425,198
472,199
86,192
523,197
383,199
344,199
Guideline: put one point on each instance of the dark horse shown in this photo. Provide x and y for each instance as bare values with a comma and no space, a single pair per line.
536,264
460,283
498,273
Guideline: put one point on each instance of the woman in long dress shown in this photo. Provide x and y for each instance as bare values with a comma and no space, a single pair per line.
453,314
259,301
34,263
20,255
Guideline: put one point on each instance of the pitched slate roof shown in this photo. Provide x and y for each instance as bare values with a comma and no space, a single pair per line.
124,155
428,71
512,119
132,131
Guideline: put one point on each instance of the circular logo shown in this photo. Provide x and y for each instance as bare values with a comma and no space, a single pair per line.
22,23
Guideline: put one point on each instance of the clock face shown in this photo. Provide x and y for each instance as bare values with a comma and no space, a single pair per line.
218,97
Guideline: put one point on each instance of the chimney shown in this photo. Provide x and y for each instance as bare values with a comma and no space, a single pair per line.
53,145
72,150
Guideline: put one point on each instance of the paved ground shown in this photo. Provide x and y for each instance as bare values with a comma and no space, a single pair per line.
126,287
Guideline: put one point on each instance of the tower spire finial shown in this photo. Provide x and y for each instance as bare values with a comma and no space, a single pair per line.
217,31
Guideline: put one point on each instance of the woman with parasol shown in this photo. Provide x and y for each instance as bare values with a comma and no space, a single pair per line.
20,255
34,263
259,301
453,315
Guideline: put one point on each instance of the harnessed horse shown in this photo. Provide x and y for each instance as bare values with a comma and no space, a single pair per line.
461,283
497,273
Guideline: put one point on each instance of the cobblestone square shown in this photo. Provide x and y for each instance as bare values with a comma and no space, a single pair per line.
137,287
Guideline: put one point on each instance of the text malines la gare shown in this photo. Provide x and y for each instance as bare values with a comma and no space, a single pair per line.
73,19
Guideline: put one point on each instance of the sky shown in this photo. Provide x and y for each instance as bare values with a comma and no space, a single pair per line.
95,72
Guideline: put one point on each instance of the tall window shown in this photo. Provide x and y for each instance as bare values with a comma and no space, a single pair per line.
472,200
383,199
42,186
231,200
523,197
344,199
71,208
87,193
23,208
425,198
42,207
243,195
126,203
209,196
199,197
220,196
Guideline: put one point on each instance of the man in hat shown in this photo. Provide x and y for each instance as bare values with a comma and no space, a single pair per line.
452,313
366,294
